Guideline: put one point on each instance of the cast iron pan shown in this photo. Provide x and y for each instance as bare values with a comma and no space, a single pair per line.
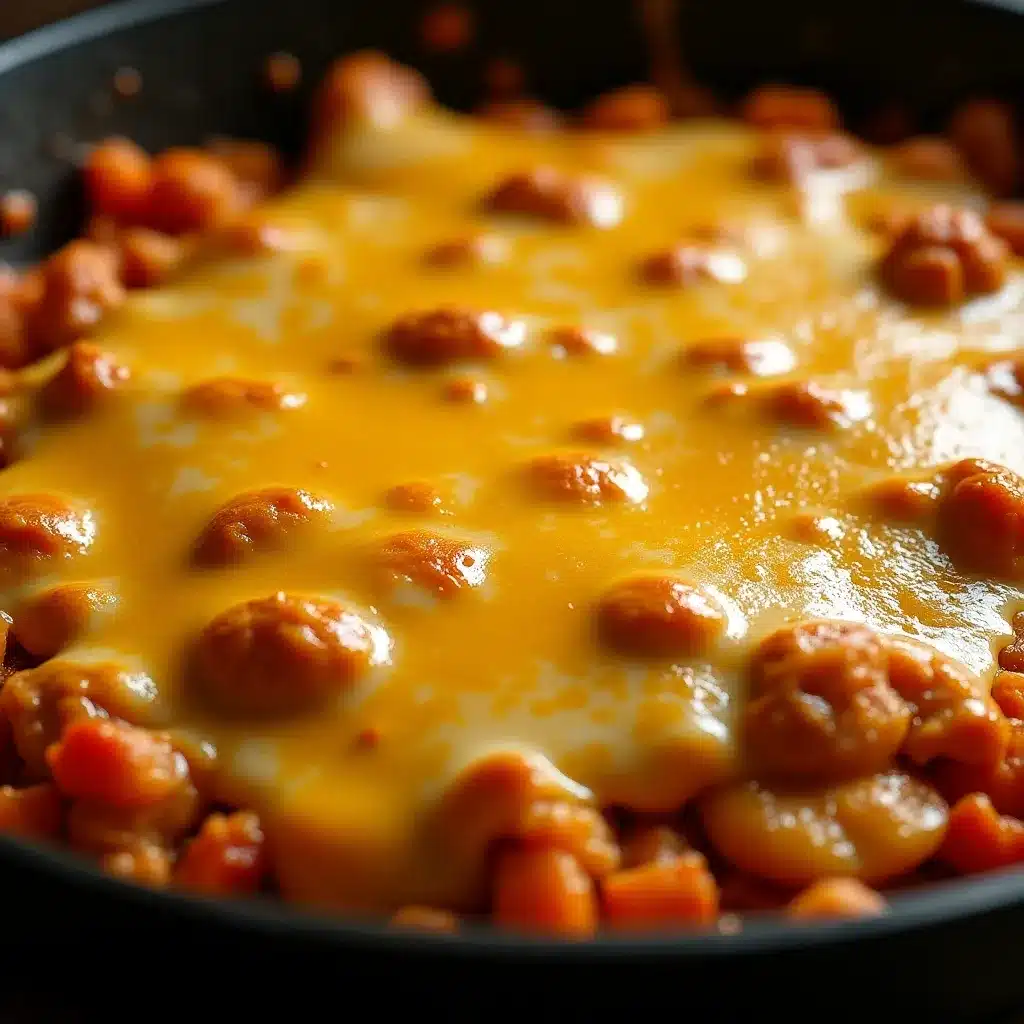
947,953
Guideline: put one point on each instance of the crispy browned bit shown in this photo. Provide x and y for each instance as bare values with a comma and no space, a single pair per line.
447,28
283,72
18,209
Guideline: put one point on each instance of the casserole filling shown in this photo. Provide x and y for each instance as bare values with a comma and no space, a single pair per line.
617,523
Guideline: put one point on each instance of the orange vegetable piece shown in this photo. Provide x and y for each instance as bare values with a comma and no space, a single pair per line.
192,191
660,894
1008,693
544,891
979,838
228,857
118,179
836,898
115,763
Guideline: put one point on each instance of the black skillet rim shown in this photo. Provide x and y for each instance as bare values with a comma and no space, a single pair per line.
944,903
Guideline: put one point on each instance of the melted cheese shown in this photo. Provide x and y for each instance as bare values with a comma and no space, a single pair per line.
514,662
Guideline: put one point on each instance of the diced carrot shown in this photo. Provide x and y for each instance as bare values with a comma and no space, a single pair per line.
661,894
115,763
544,890
979,838
35,812
836,898
226,858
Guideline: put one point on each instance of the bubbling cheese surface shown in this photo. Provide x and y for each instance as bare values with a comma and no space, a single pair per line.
722,487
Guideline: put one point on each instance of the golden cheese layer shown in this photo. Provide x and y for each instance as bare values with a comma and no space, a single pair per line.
719,471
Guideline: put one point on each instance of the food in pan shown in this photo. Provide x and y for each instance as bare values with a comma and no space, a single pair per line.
603,524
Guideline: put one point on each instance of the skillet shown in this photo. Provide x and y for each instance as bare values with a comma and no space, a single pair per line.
945,953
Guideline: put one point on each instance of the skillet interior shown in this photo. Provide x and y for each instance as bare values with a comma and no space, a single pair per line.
201,61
